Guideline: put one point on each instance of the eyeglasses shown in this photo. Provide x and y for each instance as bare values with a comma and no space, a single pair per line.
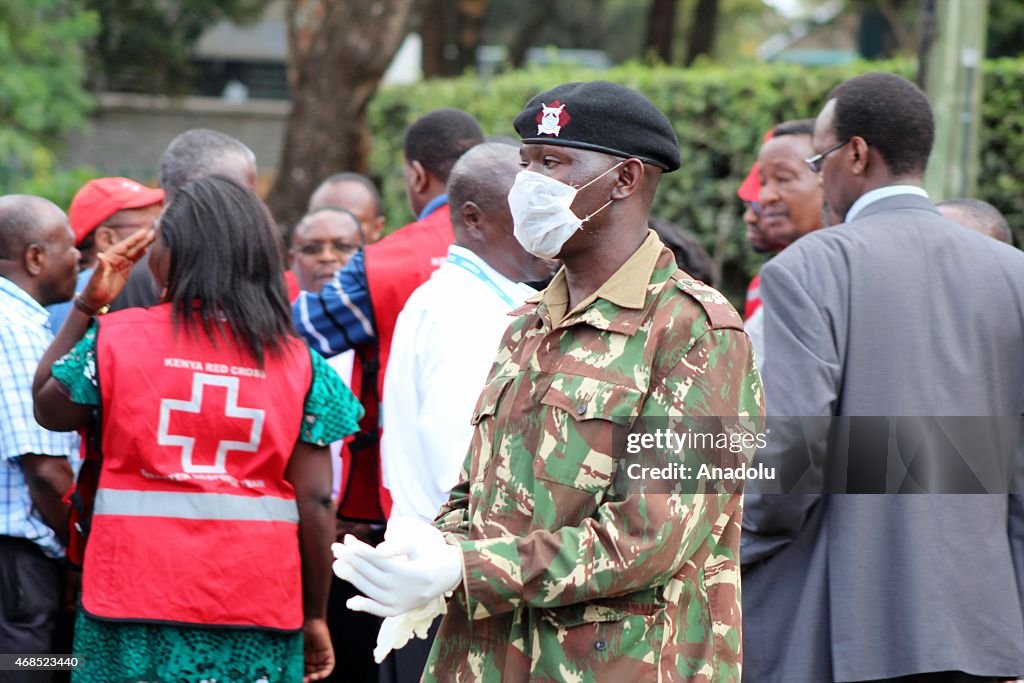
339,248
815,162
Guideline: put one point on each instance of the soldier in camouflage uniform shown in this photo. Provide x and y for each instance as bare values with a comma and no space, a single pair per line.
569,574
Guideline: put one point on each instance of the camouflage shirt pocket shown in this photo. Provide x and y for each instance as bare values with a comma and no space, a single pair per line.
584,420
483,419
599,643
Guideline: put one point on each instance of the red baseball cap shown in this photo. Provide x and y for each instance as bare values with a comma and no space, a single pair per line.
101,198
750,189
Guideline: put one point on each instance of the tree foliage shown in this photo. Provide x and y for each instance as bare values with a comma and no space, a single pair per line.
719,115
41,93
145,45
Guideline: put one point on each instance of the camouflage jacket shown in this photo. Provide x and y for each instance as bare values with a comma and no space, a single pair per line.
568,576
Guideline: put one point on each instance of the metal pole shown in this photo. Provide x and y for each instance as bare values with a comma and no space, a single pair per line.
953,84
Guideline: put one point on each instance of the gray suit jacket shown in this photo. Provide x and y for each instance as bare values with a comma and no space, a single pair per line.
898,313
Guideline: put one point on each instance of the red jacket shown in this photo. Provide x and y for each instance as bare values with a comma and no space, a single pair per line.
194,522
395,267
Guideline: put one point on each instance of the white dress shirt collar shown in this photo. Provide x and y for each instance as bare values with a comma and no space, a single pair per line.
882,193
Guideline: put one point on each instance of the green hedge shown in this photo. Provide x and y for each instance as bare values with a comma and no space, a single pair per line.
720,115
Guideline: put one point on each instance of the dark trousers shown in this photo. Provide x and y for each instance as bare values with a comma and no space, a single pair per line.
353,634
31,588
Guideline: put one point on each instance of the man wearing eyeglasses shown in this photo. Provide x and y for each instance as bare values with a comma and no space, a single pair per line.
102,213
894,316
784,202
322,243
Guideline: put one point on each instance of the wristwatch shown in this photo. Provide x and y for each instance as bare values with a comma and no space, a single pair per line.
80,304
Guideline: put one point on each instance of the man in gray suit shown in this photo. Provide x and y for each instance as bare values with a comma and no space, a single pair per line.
896,312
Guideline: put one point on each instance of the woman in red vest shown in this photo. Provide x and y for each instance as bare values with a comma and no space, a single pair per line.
208,555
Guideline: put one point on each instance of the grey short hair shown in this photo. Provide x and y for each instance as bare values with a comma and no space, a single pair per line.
193,154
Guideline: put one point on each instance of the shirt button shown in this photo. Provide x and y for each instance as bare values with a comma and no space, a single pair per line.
600,646
581,409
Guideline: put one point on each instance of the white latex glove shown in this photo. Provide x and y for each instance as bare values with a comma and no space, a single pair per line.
412,566
395,632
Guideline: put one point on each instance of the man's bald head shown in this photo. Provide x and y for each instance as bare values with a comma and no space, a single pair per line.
483,175
37,248
978,216
22,221
352,192
477,190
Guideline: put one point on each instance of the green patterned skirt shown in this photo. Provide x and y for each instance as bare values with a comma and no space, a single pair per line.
149,653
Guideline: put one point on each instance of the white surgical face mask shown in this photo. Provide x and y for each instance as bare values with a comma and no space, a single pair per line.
541,211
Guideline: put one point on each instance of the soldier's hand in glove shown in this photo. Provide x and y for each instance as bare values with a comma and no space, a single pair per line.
412,566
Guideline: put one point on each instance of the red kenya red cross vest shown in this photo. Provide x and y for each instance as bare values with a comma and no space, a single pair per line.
395,267
194,522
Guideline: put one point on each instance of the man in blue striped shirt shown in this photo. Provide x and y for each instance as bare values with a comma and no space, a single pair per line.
38,266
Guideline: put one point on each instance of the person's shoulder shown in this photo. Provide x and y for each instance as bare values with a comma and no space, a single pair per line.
427,298
18,328
135,315
816,249
689,300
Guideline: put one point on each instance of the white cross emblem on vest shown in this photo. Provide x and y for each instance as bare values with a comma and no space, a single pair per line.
194,406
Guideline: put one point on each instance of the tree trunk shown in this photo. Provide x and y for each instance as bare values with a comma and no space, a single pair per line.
433,31
537,14
469,25
661,29
702,30
338,52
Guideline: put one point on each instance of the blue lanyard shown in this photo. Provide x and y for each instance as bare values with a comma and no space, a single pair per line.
469,266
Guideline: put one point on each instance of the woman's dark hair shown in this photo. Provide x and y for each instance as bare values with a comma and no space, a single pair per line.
226,265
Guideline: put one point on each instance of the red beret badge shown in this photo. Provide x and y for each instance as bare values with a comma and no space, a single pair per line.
551,118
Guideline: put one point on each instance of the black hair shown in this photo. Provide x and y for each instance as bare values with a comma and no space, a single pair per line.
358,178
690,256
891,114
794,127
439,138
983,217
193,154
226,265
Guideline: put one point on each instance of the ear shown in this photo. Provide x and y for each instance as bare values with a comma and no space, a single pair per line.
631,175
472,218
35,259
378,229
103,238
420,177
859,155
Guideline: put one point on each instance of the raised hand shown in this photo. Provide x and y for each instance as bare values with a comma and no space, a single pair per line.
114,267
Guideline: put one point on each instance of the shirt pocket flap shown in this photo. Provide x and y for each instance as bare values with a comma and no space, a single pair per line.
601,610
586,398
489,397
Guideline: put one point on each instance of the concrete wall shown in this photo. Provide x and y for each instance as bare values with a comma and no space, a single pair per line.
127,133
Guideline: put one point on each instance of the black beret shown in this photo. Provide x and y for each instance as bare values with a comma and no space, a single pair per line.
600,116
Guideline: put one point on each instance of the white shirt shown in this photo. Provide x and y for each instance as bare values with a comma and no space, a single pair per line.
342,364
882,193
444,345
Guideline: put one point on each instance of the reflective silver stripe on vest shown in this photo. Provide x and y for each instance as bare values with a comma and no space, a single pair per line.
211,506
